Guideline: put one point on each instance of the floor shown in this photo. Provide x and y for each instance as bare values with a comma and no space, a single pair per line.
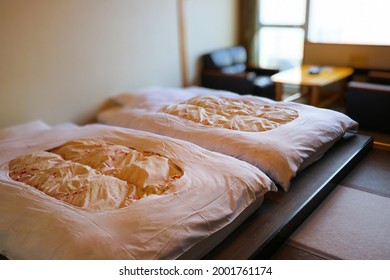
354,221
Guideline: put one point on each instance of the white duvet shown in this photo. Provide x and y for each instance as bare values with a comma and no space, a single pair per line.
280,138
206,192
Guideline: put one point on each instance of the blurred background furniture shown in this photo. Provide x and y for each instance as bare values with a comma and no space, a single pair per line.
368,100
227,69
312,78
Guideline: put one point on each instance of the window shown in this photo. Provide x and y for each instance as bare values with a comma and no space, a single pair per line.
281,33
285,24
349,22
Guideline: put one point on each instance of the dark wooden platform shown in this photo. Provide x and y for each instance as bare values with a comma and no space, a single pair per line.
262,233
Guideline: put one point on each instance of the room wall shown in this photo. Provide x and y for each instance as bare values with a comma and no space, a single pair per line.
210,25
61,60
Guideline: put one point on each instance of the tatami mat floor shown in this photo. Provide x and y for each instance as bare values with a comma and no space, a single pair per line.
354,220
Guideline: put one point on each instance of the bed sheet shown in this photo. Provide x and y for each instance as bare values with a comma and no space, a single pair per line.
213,190
280,152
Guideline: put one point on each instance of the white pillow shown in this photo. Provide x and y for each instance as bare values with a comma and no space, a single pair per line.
21,130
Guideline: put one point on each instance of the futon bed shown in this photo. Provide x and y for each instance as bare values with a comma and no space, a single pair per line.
280,138
104,192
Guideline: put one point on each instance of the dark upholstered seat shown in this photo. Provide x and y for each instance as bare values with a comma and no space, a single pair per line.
368,101
227,69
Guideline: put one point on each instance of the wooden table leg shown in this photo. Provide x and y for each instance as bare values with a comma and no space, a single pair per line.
314,95
343,88
278,91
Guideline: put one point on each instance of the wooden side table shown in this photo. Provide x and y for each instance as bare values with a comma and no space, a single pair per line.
300,76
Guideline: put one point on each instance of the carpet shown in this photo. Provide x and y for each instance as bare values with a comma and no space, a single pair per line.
350,224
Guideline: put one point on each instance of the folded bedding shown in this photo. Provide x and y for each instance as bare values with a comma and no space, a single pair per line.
280,138
103,192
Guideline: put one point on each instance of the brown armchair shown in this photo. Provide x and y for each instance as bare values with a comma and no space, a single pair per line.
227,69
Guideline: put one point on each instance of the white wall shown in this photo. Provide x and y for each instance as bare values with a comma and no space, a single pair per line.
211,24
60,60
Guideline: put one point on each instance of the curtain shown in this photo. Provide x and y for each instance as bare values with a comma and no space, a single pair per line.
248,27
